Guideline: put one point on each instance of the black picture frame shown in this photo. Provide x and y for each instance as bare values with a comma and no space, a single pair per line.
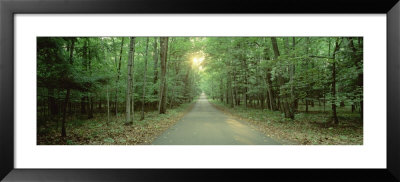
9,8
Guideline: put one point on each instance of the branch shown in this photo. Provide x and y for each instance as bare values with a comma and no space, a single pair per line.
324,57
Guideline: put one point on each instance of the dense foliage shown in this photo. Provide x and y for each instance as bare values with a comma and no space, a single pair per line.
280,73
118,76
87,75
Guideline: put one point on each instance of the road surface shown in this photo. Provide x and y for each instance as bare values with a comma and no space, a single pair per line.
206,125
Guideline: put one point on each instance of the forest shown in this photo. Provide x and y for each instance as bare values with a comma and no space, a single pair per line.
130,90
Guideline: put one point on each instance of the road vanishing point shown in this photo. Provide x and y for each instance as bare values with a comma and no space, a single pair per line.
206,125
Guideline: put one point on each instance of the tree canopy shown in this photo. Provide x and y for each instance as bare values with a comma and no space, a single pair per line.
84,76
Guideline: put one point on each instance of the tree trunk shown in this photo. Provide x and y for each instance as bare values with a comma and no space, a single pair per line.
129,81
63,127
285,104
90,105
333,89
108,107
155,68
306,105
234,88
163,57
230,93
268,82
267,102
357,59
291,75
227,93
118,75
144,78
275,47
270,91
90,99
221,96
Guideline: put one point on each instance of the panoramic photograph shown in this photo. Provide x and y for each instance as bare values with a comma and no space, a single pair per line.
199,90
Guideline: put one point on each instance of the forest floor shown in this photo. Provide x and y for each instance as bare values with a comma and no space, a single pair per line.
306,129
97,131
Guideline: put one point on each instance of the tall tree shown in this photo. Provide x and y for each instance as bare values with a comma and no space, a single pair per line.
103,47
292,68
357,59
144,78
163,87
283,107
268,77
155,66
129,81
71,60
89,64
118,75
335,119
85,68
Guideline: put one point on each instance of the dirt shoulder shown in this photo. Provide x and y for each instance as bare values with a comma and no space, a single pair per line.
305,130
97,131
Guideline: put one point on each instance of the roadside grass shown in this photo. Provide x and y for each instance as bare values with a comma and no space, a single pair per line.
306,129
97,131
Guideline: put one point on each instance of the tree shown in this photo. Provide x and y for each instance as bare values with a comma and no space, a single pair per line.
129,81
163,86
284,75
155,65
118,75
66,100
144,78
334,114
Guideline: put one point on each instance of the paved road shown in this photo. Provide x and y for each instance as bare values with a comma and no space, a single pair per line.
206,125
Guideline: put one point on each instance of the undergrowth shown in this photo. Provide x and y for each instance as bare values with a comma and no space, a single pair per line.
306,129
97,131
